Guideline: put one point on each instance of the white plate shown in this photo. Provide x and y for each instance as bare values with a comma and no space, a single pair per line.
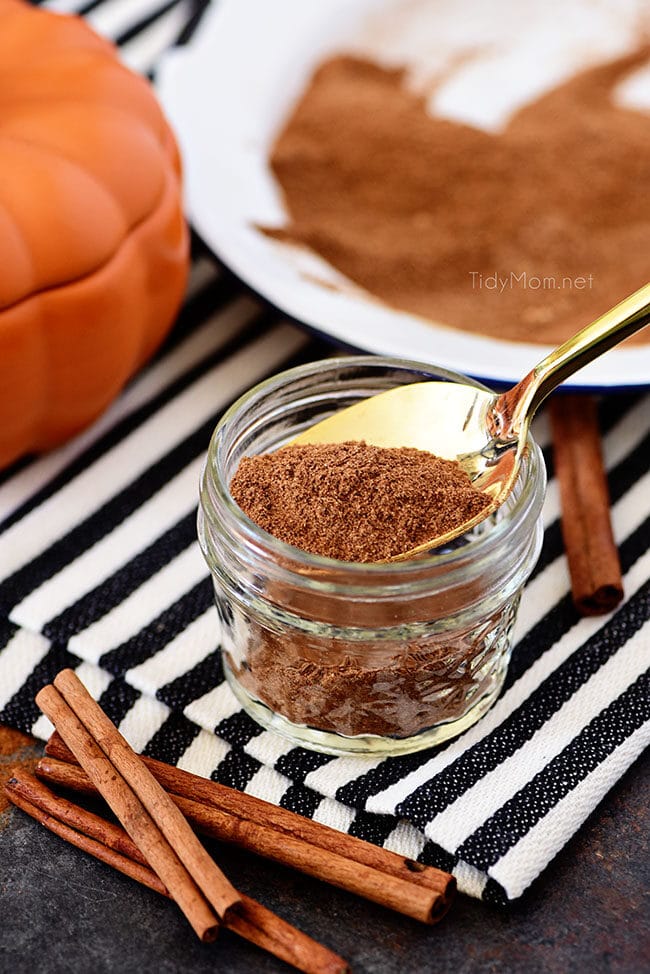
228,91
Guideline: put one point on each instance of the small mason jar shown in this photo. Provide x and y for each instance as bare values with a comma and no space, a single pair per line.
357,658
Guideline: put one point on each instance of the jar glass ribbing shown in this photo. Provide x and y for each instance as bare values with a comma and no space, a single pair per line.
357,658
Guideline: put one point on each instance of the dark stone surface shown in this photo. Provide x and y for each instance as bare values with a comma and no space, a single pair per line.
61,911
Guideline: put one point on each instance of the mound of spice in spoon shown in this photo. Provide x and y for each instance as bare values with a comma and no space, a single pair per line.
354,501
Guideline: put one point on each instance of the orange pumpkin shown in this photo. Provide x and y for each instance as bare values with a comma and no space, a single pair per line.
93,244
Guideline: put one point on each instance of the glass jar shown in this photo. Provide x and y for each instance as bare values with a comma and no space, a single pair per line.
359,658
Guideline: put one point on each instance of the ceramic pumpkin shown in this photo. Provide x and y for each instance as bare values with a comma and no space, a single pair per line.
93,245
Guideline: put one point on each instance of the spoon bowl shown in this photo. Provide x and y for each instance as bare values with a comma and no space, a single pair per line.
485,432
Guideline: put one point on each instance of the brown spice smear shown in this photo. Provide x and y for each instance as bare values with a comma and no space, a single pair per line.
354,501
16,753
415,209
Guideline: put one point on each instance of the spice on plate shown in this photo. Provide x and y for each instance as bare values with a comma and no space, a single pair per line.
354,501
526,234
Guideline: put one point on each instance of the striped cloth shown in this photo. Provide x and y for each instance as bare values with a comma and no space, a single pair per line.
100,570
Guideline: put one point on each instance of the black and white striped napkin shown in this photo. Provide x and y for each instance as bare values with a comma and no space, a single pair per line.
100,570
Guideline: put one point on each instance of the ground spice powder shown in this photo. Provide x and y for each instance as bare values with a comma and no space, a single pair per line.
524,235
354,501
358,502
393,689
17,753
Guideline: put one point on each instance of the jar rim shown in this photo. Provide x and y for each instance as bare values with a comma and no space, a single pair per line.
482,544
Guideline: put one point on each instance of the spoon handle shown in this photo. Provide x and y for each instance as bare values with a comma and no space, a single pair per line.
517,406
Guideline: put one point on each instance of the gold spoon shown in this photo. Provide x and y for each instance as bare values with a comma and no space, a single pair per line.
484,432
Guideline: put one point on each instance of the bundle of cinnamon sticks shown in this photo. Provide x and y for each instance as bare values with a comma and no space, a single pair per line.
156,845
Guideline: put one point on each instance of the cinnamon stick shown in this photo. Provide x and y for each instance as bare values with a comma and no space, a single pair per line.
284,836
592,555
400,895
170,821
132,814
84,841
112,845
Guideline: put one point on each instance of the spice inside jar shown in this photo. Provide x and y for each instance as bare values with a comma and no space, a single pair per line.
323,640
354,501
